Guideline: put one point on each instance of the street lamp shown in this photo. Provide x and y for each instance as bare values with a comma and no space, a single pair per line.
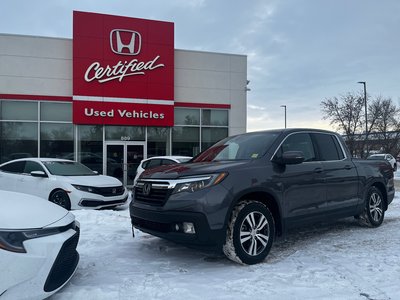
284,106
366,119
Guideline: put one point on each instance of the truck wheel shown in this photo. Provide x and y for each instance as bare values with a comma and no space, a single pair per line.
374,212
250,233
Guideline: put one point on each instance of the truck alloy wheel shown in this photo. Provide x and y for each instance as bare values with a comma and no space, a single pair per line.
374,211
250,233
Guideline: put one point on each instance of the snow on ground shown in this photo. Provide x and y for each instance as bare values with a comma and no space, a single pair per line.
342,261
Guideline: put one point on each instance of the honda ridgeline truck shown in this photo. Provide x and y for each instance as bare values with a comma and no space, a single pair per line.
241,193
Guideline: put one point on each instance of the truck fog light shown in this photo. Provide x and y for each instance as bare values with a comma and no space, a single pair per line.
188,228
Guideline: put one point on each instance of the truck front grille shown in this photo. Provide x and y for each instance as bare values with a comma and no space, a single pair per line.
152,192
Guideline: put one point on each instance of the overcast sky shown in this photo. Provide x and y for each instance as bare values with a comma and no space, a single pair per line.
299,51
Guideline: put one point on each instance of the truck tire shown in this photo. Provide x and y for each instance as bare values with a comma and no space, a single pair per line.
250,233
374,211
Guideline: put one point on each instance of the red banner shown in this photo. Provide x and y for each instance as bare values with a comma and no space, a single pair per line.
120,113
122,57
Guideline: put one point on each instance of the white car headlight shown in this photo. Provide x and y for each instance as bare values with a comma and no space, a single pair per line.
84,188
194,184
13,240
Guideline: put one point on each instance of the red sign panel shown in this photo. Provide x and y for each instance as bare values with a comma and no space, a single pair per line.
120,113
122,62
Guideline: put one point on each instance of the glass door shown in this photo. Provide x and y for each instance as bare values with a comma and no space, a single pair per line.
134,155
122,160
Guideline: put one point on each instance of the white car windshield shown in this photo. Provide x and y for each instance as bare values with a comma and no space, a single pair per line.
68,168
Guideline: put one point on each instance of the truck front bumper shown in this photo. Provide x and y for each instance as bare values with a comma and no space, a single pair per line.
171,225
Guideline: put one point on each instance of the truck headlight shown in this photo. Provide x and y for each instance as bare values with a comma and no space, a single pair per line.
194,184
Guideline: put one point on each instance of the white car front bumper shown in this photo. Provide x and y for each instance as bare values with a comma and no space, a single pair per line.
81,199
47,265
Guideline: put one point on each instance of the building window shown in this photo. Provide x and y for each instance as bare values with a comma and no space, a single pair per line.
185,141
56,130
56,140
90,145
211,135
158,141
125,133
18,140
19,110
214,117
25,129
52,111
197,129
184,116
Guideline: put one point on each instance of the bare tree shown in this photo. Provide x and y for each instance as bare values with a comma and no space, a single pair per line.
345,113
386,126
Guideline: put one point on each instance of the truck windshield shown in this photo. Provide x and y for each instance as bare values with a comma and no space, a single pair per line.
241,147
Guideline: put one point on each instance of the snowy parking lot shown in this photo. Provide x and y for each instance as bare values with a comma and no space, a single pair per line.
342,260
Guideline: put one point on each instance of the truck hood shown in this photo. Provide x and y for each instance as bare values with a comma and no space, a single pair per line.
191,169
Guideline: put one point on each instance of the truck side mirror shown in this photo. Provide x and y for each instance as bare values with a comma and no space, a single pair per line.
290,158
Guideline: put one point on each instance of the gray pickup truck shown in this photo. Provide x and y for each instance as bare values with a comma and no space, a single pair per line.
241,193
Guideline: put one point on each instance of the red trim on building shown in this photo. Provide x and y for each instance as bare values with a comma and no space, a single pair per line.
69,99
34,97
202,105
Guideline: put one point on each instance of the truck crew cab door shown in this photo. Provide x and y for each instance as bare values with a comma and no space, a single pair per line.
303,185
341,175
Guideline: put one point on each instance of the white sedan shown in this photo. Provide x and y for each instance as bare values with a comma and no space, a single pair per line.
38,243
64,182
157,161
387,157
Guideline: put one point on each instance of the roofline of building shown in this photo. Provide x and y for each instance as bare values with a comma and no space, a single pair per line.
70,39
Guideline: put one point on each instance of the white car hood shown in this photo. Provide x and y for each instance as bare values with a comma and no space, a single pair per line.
95,180
22,211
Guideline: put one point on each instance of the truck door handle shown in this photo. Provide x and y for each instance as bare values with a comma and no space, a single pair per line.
347,167
318,170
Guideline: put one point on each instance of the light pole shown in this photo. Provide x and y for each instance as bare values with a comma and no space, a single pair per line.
366,118
284,106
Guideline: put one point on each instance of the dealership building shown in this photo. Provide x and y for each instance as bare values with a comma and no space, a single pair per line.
117,92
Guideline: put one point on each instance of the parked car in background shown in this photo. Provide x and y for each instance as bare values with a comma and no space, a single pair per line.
384,156
157,161
95,162
64,182
38,241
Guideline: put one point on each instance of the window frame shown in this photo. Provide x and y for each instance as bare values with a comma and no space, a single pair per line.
336,138
339,151
21,162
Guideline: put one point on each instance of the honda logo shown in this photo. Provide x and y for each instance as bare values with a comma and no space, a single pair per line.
125,42
146,189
